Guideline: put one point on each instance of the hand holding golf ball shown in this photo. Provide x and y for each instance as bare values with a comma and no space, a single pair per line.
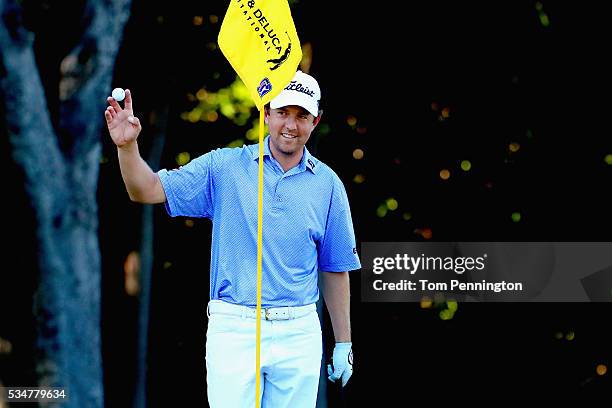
123,126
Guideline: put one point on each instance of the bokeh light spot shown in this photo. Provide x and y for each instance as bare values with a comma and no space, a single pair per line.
194,115
426,302
183,158
392,204
446,314
212,116
131,269
358,179
5,348
514,147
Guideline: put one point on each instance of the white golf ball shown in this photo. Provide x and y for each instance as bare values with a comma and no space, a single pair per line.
118,94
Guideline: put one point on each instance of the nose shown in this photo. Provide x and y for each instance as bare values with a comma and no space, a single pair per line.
291,122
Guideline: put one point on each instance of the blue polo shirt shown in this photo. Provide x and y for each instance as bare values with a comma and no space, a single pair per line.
307,223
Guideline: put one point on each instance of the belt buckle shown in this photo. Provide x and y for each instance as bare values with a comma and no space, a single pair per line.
267,314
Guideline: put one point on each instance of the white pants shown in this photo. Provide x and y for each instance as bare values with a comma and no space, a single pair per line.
291,350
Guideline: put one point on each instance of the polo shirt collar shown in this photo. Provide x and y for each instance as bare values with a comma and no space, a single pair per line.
307,161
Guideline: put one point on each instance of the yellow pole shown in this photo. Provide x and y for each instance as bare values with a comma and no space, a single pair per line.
259,257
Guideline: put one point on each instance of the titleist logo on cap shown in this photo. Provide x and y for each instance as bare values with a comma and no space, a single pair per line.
294,86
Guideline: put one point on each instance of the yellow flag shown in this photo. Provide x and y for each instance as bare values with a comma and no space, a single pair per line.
259,39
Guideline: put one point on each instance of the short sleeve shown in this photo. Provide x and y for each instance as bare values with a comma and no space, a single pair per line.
190,188
337,251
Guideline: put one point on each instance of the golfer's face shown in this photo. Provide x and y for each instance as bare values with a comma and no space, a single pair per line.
290,128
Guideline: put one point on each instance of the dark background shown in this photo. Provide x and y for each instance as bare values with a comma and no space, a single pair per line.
504,76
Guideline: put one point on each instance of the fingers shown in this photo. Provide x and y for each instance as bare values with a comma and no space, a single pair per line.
128,100
110,111
345,376
344,373
333,375
112,102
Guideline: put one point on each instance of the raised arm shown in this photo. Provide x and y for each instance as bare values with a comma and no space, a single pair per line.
142,183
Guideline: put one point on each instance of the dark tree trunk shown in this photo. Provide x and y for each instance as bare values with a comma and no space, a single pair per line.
60,158
146,265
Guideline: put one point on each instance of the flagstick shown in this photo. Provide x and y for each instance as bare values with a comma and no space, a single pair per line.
259,256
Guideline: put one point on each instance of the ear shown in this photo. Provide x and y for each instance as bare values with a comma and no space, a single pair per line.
266,114
316,120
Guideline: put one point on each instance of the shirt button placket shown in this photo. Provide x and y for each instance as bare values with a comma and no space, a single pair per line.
278,197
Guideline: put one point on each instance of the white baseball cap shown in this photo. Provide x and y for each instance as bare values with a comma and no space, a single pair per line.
303,90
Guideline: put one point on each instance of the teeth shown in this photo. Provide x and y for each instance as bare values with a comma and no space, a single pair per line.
287,136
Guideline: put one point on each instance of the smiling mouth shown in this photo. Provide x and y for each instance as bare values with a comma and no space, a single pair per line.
288,136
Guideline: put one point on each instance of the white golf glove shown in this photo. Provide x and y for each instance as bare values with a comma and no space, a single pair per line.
342,361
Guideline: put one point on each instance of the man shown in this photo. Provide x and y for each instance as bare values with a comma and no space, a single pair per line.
307,228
